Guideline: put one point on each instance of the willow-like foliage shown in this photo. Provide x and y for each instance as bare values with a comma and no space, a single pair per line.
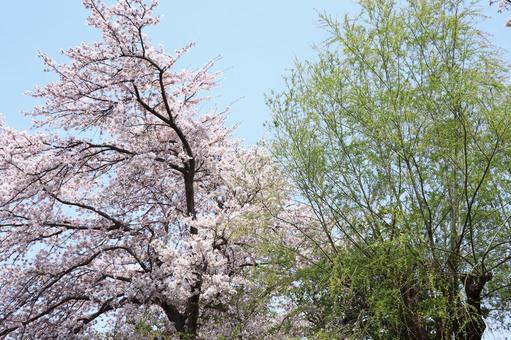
399,138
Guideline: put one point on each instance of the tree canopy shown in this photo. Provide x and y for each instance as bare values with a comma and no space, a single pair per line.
122,213
399,139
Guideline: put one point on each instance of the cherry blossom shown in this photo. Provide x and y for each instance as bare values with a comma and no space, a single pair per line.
128,204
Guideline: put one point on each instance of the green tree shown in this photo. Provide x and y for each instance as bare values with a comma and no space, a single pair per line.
398,137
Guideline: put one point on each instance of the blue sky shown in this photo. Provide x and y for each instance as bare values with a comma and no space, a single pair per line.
257,42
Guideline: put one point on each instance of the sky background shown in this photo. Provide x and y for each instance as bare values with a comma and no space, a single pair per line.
256,40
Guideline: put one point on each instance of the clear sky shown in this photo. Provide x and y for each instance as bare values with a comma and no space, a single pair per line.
257,42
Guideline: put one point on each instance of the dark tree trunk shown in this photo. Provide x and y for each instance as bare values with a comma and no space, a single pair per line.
174,316
473,325
192,310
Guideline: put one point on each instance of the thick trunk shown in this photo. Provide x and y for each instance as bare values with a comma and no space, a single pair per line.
186,323
473,325
174,316
192,310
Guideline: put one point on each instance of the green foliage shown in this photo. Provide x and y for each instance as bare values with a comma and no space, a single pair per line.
398,139
377,297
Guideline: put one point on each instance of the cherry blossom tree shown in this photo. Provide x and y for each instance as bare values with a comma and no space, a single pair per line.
127,208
